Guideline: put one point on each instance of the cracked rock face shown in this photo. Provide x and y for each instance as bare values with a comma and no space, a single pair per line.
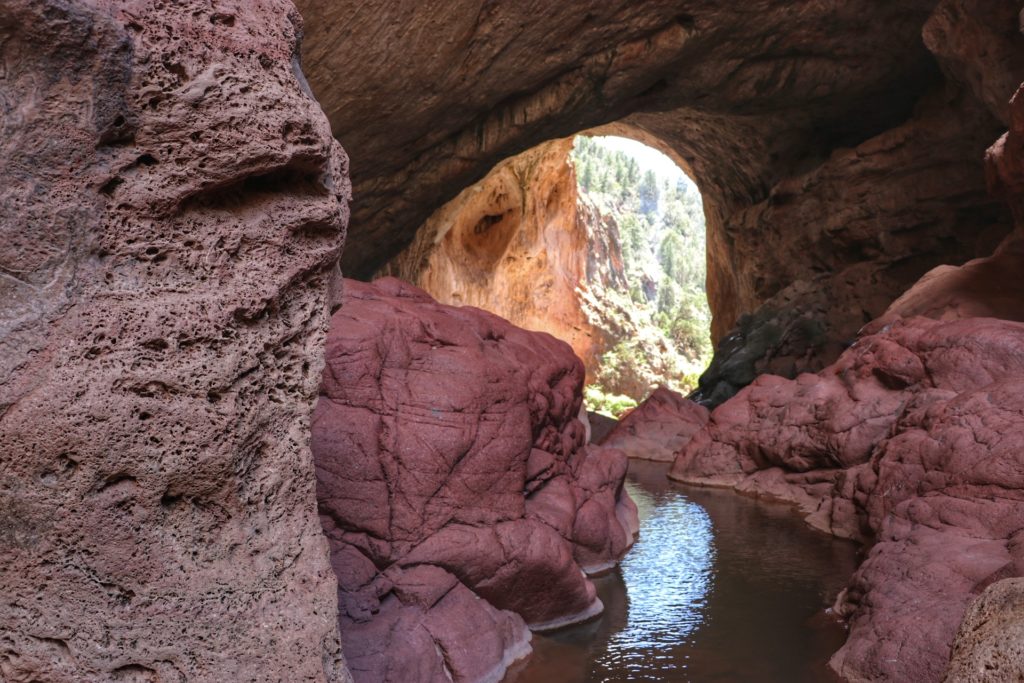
173,206
461,504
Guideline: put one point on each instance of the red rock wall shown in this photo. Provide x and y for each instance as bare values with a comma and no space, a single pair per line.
452,467
173,206
831,183
747,98
911,441
519,244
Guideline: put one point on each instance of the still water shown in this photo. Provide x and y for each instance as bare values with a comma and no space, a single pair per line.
719,588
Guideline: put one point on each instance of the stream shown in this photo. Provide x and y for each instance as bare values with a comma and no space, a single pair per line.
719,587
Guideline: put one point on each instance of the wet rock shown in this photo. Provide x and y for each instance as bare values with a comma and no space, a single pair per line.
173,205
658,428
911,440
451,463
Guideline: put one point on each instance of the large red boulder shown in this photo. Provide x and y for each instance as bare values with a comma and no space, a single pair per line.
452,467
913,439
657,428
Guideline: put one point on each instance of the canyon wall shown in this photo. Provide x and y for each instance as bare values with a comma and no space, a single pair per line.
911,441
528,244
745,97
173,207
521,244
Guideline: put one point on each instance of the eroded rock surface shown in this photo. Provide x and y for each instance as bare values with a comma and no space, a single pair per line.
912,440
989,647
520,244
452,467
173,205
658,428
831,184
884,229
745,98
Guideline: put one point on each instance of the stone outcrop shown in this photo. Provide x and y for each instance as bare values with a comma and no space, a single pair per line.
460,500
173,206
989,647
658,428
521,244
912,440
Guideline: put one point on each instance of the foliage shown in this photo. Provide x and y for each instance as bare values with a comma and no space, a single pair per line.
662,237
612,405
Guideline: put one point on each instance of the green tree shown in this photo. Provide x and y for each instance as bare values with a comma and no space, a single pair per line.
649,193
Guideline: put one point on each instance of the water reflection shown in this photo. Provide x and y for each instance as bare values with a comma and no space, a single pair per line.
666,579
718,588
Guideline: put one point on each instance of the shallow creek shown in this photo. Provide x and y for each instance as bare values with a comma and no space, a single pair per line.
719,587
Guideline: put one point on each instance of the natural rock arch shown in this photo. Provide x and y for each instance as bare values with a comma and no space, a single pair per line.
788,115
125,167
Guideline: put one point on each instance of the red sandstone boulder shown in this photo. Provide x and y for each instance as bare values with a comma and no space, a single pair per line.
914,438
452,467
658,428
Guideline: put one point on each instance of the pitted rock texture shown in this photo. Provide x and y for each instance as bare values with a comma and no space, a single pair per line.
173,205
989,647
658,428
912,440
452,467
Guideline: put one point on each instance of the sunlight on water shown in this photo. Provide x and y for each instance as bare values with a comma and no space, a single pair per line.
667,576
718,589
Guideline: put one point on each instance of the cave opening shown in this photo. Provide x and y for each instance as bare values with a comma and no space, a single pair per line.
653,308
598,239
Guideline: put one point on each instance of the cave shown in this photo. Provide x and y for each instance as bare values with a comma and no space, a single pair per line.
598,240
227,427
